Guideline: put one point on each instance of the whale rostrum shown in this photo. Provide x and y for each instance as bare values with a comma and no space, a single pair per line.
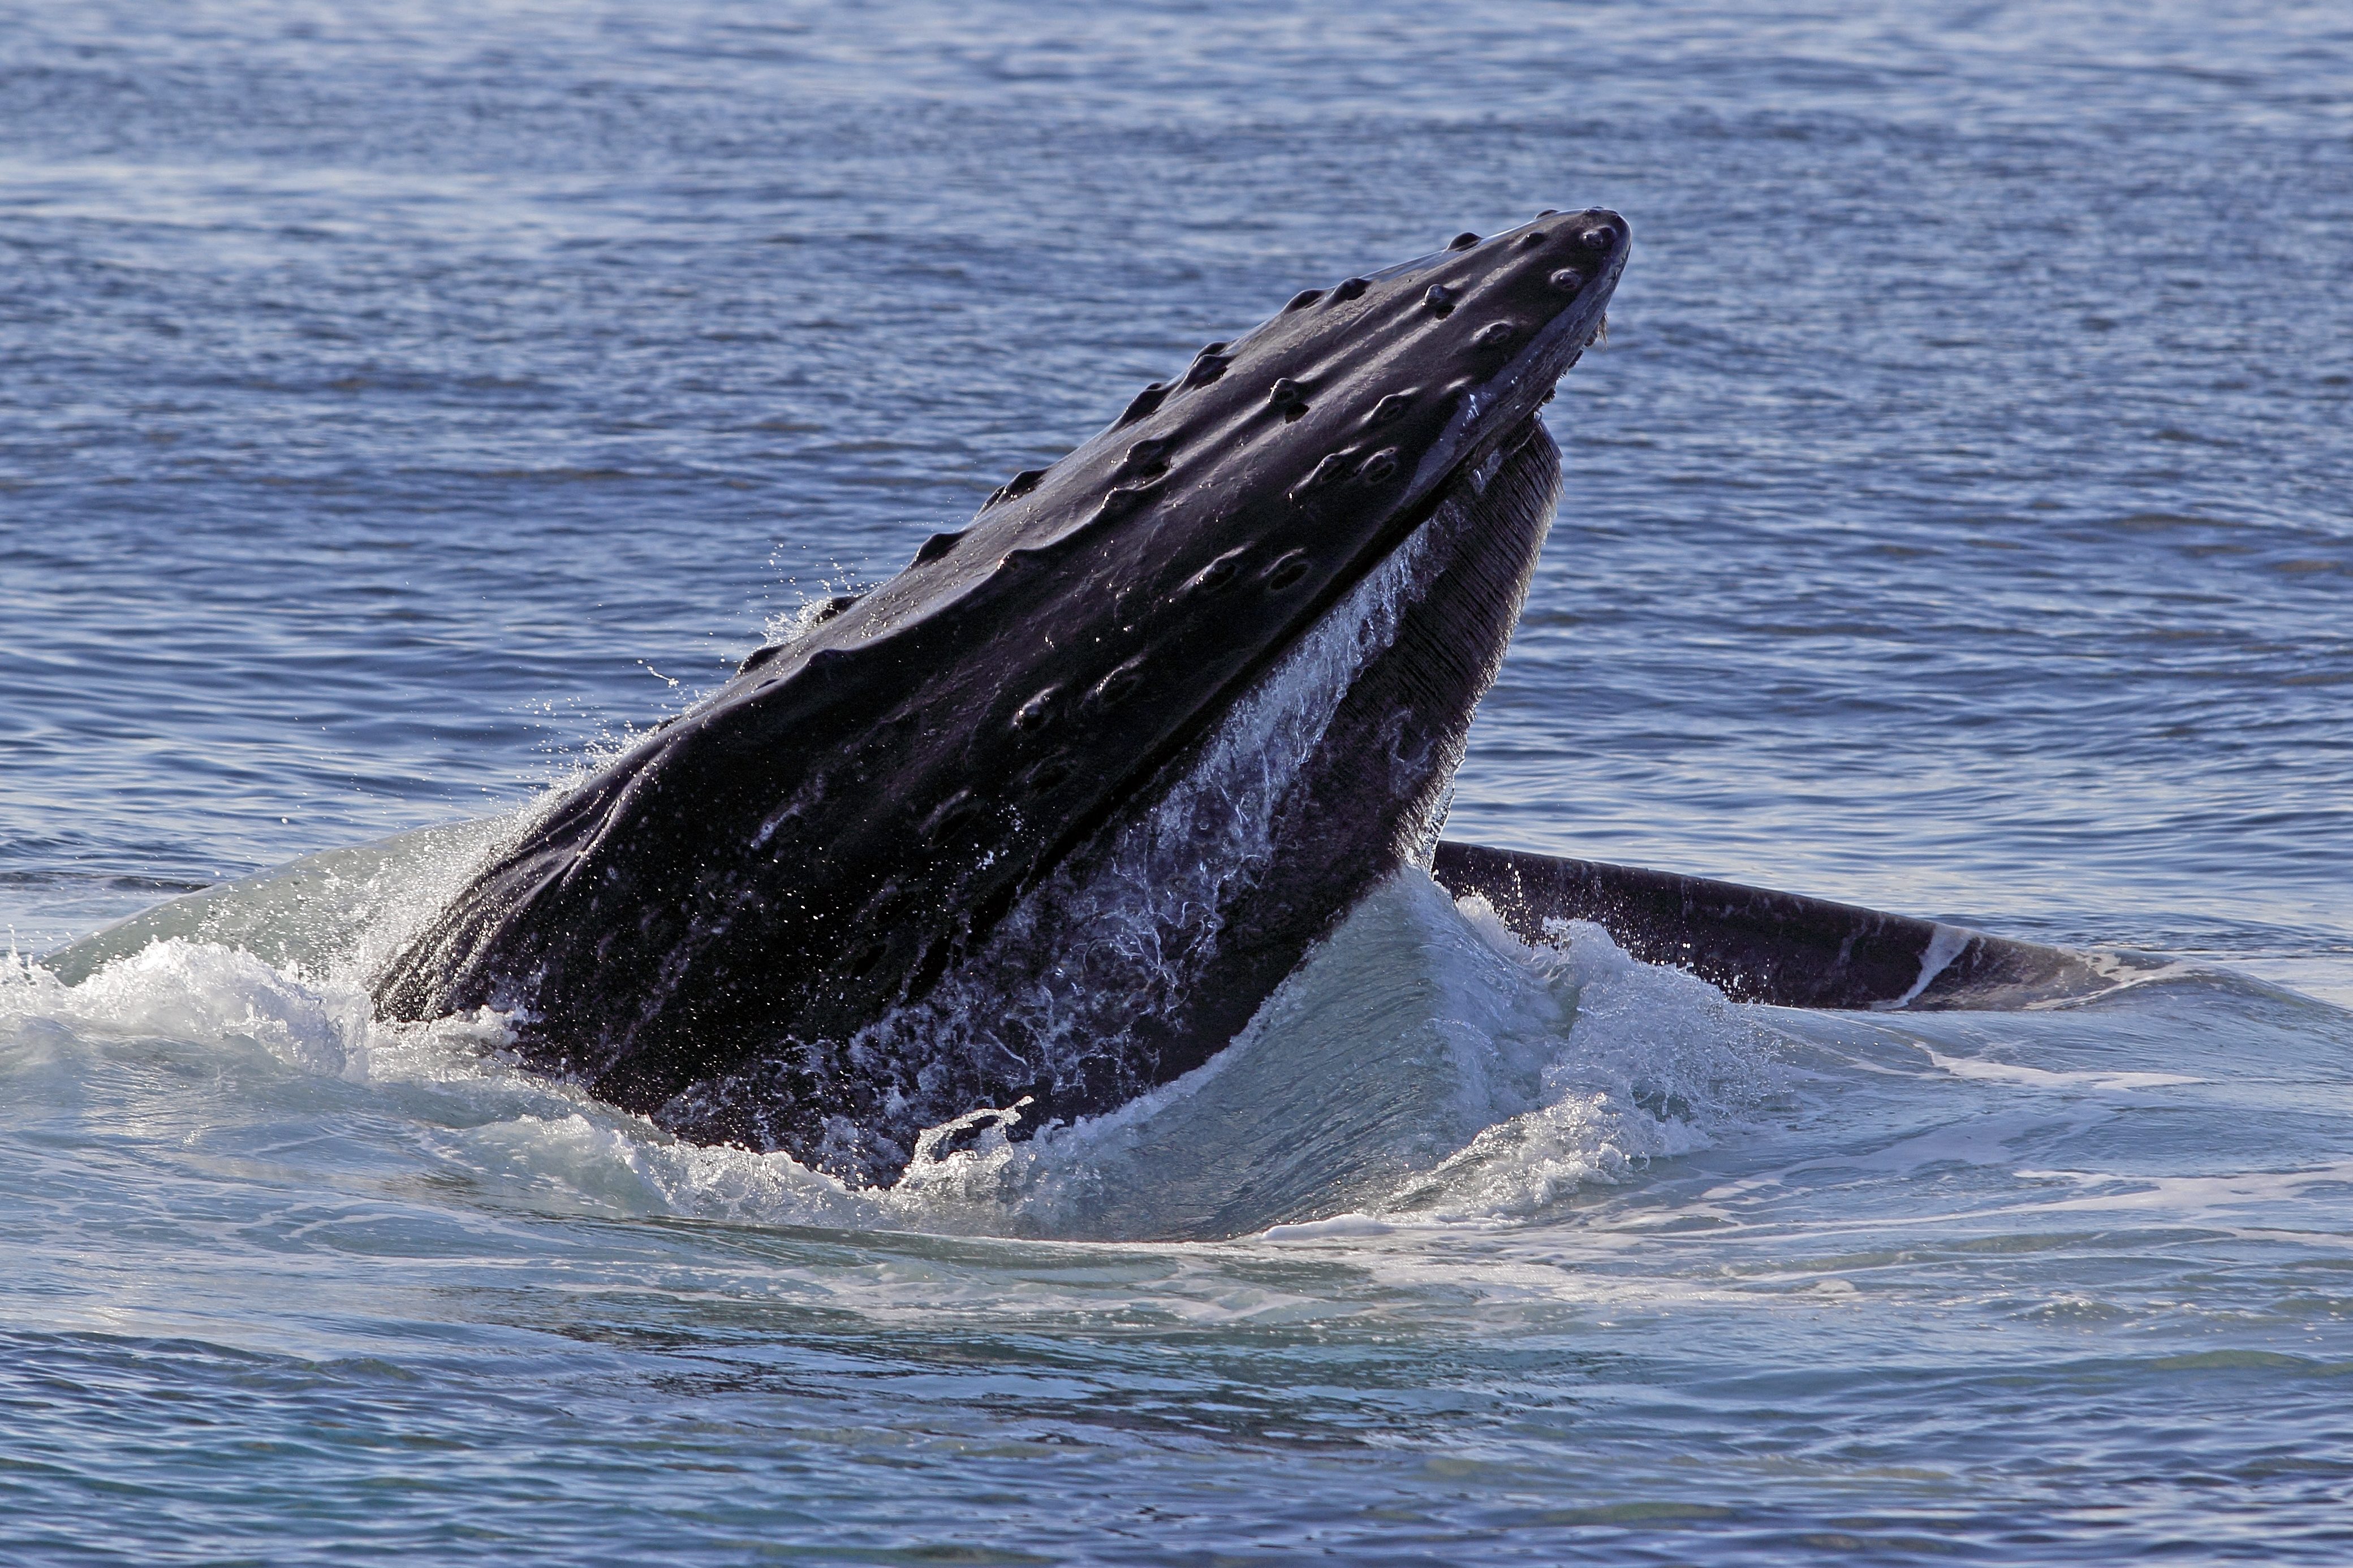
1047,816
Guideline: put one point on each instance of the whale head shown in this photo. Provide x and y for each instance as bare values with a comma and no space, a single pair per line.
747,896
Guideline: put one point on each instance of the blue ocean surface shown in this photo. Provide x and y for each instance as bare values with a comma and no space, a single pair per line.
402,405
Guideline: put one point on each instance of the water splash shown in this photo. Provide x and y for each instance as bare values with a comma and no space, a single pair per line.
1423,1065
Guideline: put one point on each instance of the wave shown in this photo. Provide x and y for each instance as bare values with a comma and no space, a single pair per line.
1424,1066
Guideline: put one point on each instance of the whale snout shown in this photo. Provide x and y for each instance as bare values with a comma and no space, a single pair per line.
1561,265
1459,347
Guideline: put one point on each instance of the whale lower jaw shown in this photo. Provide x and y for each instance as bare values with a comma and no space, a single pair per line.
1148,949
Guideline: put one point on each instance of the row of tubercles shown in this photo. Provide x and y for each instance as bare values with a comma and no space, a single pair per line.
1286,395
1440,299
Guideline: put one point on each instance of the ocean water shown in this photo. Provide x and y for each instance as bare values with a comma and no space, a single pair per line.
401,405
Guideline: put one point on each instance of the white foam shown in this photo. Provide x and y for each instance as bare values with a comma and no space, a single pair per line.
1980,1069
199,991
2226,1194
1424,1067
1655,1061
1352,1226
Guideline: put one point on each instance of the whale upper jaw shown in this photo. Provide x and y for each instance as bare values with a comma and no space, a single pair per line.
829,834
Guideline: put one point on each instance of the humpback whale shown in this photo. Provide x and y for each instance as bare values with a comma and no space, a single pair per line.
1044,820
